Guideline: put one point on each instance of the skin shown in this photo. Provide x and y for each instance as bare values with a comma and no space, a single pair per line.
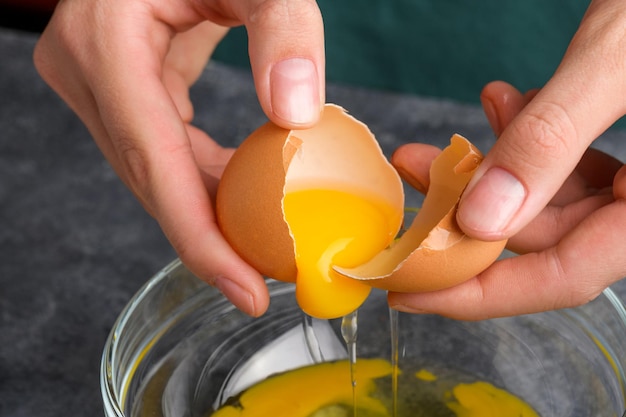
128,80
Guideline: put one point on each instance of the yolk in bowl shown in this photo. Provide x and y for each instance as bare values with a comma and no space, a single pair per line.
325,390
332,227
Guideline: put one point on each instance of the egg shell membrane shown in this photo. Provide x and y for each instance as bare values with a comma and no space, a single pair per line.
341,153
434,253
338,153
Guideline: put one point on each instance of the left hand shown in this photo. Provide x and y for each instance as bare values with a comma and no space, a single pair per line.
125,67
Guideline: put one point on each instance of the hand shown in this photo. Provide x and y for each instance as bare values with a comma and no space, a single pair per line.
561,204
125,67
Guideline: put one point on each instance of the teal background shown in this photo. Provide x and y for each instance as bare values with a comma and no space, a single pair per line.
438,48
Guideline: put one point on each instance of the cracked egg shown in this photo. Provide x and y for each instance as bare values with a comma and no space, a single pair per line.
322,207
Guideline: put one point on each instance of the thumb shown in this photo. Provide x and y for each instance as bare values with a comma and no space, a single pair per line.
286,48
540,147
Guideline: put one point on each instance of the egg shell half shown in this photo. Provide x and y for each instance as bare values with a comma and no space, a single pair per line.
338,153
434,253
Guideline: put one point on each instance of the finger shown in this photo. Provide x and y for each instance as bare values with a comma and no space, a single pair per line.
598,169
575,271
573,189
137,124
530,94
413,161
539,149
593,174
286,47
186,59
588,188
160,165
580,195
501,103
210,158
554,222
619,184
152,143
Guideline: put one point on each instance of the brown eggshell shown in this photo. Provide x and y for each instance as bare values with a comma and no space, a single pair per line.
434,253
339,152
249,202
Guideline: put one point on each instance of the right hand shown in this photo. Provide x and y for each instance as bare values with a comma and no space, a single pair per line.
569,253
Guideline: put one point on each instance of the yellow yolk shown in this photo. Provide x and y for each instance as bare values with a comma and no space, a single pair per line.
302,392
481,399
331,227
425,375
325,390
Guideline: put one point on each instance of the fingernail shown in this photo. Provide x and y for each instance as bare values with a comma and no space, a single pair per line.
491,204
294,91
236,294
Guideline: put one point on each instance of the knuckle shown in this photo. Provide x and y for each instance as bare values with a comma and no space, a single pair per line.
143,165
41,58
581,293
288,13
46,51
183,247
59,54
579,290
135,166
549,131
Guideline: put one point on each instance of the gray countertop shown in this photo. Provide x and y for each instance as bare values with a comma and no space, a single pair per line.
74,243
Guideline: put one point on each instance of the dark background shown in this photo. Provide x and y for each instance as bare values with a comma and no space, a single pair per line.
445,48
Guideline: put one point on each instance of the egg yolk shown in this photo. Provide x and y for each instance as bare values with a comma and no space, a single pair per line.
324,390
483,399
303,391
332,227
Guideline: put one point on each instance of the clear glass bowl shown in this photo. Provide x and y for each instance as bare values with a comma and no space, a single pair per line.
179,349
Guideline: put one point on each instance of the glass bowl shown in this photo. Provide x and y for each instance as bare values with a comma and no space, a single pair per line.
180,349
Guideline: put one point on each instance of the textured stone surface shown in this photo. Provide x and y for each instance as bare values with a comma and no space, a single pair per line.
74,243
